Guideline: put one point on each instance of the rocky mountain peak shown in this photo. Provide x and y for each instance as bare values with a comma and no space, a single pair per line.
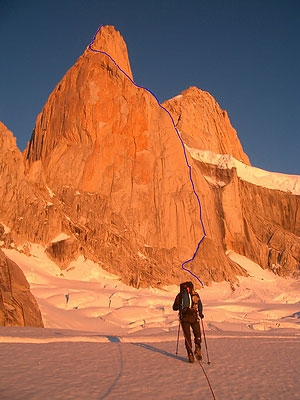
203,124
7,139
110,41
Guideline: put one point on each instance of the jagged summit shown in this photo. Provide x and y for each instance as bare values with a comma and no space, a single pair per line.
109,40
7,139
203,124
77,107
100,134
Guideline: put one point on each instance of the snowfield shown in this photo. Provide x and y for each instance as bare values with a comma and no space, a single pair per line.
105,340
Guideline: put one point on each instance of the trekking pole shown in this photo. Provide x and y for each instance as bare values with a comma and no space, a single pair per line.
208,362
177,338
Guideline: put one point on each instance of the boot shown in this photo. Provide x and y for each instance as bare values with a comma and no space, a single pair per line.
197,352
191,357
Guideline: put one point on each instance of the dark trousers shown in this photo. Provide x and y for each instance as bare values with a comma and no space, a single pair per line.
189,322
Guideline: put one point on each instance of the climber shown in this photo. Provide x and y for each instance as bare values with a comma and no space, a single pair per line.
190,308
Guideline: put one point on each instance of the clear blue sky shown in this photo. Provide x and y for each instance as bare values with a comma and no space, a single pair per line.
245,53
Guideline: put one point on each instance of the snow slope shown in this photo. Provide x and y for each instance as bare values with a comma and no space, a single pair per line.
105,340
256,176
86,297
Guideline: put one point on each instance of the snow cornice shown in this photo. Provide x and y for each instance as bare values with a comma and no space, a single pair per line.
256,176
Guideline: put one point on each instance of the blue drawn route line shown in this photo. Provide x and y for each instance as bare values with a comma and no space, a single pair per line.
90,46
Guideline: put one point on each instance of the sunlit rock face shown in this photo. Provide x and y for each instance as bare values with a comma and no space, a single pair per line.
203,124
110,153
17,305
260,223
27,207
105,175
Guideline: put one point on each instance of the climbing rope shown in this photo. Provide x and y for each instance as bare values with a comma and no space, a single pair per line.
183,265
200,363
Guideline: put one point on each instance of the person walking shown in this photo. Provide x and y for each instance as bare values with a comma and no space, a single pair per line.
190,308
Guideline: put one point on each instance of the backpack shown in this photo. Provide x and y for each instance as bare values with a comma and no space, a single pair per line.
187,296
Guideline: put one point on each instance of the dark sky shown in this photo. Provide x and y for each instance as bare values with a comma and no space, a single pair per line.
245,53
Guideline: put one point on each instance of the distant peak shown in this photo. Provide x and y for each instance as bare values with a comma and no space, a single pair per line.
7,139
110,41
194,92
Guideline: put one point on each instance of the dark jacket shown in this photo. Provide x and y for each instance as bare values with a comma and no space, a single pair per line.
197,307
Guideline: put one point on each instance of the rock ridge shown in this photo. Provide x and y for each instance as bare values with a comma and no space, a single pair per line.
18,307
